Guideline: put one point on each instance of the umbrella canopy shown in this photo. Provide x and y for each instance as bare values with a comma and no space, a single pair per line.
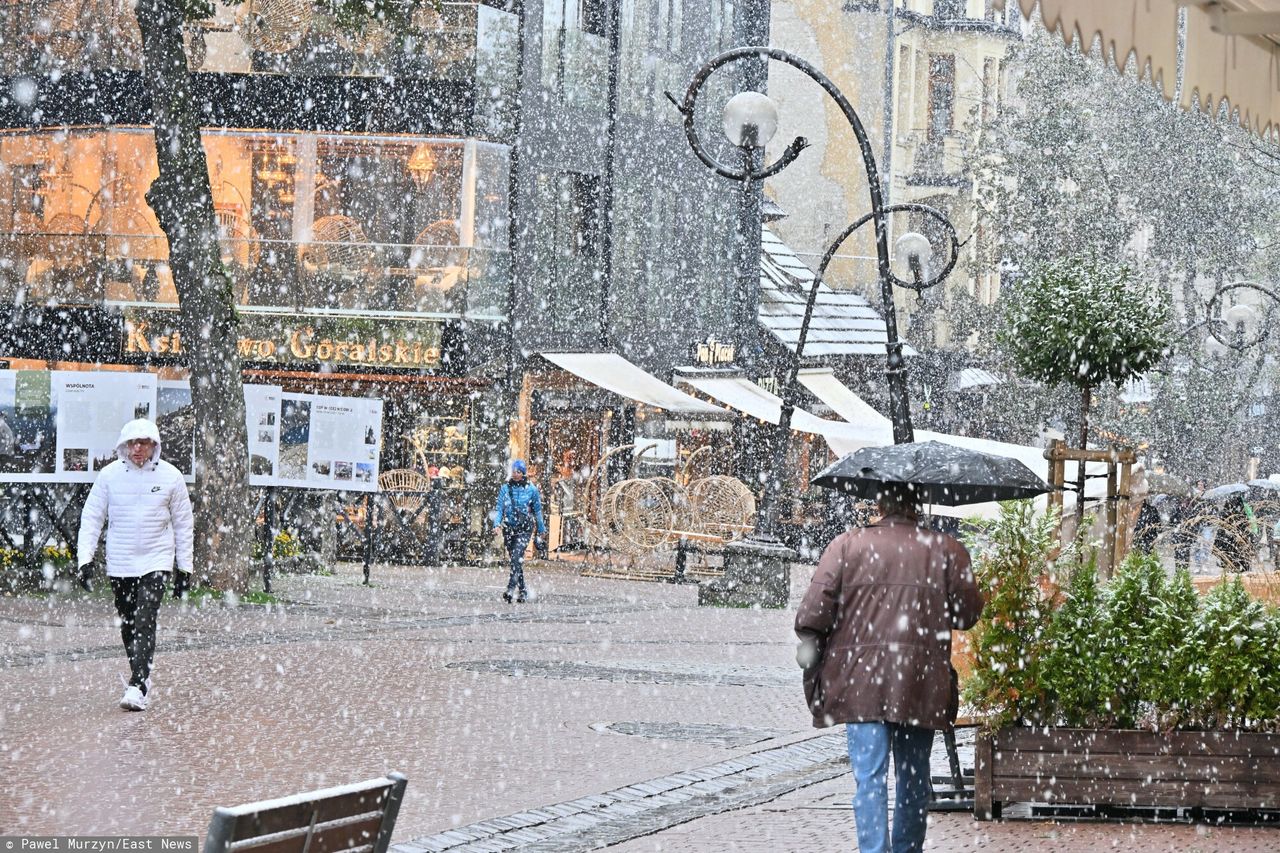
934,472
1218,493
1264,489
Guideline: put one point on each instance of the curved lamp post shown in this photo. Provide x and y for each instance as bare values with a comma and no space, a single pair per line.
1222,322
750,120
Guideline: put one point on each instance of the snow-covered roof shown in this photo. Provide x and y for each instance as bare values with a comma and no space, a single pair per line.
843,322
972,377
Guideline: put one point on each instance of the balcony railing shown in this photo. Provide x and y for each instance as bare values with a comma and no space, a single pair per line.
440,41
347,277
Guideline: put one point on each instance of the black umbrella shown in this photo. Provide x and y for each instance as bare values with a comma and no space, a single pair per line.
934,472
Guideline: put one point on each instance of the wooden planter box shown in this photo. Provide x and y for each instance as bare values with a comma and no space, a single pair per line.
1216,770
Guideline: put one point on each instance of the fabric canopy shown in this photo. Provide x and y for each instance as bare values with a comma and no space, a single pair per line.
742,394
824,385
1231,47
614,373
869,428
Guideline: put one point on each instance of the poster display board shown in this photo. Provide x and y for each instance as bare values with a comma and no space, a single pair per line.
262,424
91,408
176,420
62,426
329,442
27,426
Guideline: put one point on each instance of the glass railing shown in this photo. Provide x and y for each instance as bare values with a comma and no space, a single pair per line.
255,36
342,277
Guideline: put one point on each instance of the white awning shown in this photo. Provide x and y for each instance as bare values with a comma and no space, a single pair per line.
823,384
742,394
612,372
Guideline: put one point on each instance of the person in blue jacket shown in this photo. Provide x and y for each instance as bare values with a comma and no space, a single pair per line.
517,515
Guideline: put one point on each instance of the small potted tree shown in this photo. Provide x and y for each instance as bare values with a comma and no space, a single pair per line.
1084,322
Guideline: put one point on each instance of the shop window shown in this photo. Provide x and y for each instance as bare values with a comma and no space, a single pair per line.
272,192
28,200
304,220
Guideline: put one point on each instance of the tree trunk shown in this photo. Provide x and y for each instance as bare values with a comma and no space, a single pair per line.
1086,397
183,203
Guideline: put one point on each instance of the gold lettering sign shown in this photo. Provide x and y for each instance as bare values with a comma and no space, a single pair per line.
713,352
286,343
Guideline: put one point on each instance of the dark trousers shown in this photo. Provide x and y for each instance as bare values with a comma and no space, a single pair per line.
516,541
137,602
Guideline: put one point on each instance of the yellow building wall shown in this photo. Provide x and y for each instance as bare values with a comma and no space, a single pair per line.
826,188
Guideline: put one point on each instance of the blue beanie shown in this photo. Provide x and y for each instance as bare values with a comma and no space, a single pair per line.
518,465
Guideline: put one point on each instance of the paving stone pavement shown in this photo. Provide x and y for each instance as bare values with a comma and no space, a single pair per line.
601,690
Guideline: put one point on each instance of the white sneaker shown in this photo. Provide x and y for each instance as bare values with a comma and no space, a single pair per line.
134,699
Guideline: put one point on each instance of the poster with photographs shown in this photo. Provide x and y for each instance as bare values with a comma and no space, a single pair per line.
89,409
28,426
262,420
176,420
329,442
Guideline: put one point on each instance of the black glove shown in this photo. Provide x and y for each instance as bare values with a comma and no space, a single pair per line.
181,583
86,573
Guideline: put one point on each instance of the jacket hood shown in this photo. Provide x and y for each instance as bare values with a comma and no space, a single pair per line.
140,428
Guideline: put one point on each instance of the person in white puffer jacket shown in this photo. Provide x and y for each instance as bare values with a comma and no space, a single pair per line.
145,504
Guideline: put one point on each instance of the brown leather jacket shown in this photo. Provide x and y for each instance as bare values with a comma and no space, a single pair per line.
880,610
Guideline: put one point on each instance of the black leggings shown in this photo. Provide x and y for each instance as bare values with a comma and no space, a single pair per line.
137,601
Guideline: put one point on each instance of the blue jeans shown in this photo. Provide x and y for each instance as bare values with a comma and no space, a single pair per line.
869,748
516,541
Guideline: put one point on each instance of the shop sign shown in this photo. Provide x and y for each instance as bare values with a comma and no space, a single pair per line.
297,339
712,352
768,383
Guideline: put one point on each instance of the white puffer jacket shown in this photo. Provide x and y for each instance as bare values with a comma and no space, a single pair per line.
147,511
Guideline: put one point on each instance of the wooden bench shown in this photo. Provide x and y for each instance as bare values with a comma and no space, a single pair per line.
356,818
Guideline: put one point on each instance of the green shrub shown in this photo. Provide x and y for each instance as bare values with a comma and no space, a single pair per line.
1233,658
1078,693
1143,650
1175,614
1128,629
286,545
1011,560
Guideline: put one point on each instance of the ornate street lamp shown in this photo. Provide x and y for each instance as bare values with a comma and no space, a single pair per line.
1223,321
750,120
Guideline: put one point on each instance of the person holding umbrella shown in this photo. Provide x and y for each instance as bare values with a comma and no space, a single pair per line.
875,625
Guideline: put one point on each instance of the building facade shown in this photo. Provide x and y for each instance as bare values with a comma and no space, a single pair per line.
924,76
494,181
